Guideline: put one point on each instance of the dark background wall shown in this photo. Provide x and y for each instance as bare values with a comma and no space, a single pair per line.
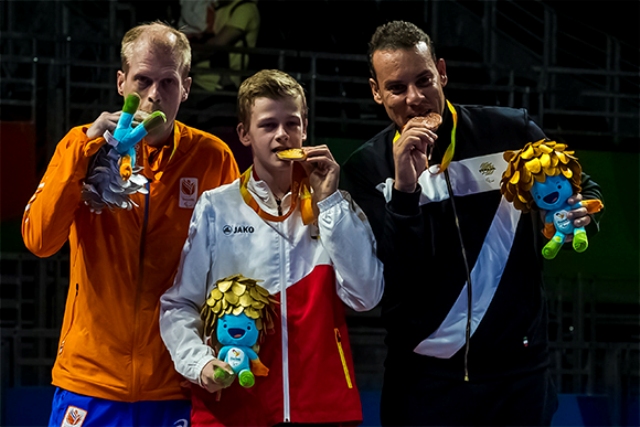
594,296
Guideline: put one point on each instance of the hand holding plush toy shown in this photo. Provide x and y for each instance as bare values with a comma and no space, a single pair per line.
241,312
112,176
125,136
545,174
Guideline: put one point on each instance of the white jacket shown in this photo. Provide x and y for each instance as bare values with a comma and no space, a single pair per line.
228,237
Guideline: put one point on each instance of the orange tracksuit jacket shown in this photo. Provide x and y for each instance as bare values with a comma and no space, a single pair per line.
121,262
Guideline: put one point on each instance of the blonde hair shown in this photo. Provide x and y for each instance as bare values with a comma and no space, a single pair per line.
535,162
272,84
159,35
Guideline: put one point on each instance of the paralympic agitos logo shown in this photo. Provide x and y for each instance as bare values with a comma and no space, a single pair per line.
237,229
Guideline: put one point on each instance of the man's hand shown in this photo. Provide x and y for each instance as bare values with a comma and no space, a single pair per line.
323,171
207,376
578,214
410,153
125,127
105,122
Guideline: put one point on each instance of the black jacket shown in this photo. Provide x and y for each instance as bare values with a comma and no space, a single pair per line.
422,253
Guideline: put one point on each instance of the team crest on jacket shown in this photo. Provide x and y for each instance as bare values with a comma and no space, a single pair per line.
487,168
74,417
188,192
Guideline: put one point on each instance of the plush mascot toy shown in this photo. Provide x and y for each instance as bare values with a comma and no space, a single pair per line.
112,177
545,174
240,312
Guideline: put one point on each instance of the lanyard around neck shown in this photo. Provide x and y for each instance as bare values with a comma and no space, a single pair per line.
448,154
299,192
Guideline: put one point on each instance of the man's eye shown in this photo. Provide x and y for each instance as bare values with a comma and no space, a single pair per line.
425,81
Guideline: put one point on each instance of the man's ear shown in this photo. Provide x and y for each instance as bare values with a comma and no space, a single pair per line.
243,135
374,90
305,126
441,66
186,88
121,78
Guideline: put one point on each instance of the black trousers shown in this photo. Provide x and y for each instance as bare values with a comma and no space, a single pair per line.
528,400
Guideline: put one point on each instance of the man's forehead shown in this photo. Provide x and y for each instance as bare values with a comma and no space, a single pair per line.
392,53
403,62
147,55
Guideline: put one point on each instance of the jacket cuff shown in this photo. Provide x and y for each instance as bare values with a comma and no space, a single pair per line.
407,204
329,202
199,367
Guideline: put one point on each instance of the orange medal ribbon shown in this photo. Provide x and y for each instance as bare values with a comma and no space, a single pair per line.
300,191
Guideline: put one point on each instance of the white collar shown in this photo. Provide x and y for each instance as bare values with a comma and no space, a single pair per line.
265,198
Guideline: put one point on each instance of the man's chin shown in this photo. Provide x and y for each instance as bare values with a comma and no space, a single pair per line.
160,135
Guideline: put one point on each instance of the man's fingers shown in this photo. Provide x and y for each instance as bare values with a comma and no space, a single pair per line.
576,198
582,221
105,121
419,139
213,387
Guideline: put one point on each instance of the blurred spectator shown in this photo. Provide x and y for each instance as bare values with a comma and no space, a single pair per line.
209,24
196,19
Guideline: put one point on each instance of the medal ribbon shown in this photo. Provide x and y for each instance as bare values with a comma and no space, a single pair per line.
448,154
300,191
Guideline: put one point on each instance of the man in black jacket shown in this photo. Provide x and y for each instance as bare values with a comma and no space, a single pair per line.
464,305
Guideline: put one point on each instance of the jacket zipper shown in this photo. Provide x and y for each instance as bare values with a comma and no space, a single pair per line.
143,233
73,317
345,367
285,334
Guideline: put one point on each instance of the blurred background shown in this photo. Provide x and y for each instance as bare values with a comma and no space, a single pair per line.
574,65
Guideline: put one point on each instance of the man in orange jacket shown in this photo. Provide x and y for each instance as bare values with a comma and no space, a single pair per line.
112,367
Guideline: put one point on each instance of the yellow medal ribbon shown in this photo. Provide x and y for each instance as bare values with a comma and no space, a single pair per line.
300,190
448,154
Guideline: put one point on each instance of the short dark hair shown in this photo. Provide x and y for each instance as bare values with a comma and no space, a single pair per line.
397,35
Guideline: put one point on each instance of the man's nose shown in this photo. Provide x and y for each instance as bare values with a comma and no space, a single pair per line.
153,94
414,95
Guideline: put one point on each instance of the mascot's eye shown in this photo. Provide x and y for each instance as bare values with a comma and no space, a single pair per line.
559,187
248,327
538,197
224,325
